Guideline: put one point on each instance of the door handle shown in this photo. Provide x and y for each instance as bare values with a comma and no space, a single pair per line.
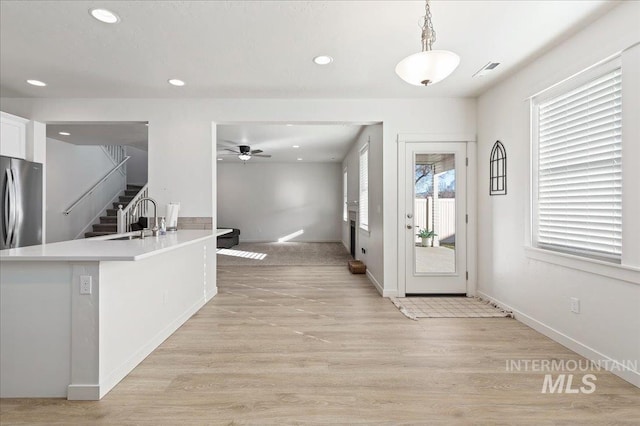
409,227
9,208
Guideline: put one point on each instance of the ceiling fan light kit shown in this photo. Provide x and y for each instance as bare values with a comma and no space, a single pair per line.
245,153
428,66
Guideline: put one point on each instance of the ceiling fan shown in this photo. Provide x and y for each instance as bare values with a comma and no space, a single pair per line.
245,152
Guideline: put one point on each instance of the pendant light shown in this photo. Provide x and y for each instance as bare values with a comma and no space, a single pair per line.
429,66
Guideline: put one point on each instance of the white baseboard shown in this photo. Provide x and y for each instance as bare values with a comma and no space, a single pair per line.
379,287
210,295
84,392
591,354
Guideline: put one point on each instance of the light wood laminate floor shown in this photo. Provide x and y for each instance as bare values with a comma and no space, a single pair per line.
290,345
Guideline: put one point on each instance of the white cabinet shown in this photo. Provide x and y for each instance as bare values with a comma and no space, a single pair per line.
13,135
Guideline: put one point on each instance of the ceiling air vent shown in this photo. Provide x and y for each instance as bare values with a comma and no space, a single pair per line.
486,69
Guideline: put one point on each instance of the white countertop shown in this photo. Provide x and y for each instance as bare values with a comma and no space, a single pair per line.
105,249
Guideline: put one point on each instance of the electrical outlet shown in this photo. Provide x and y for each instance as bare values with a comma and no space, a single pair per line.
575,305
364,250
85,284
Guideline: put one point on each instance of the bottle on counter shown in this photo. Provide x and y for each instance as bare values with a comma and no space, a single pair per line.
163,226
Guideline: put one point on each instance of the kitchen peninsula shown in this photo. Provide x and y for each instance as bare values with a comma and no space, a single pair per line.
77,316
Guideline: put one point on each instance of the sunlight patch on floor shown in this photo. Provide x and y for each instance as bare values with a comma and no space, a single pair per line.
240,253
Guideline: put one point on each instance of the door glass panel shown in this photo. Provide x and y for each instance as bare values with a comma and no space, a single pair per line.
435,213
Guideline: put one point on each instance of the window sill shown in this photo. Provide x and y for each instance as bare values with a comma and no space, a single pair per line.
599,267
364,231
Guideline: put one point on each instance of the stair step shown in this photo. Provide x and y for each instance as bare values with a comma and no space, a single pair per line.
108,219
132,187
125,198
105,227
112,212
97,234
131,192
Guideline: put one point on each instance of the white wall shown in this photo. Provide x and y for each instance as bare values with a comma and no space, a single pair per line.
71,171
137,166
182,164
609,322
268,201
371,241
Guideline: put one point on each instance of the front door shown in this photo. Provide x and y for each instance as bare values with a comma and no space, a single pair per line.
435,218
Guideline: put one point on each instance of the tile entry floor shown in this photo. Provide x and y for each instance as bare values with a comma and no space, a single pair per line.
447,307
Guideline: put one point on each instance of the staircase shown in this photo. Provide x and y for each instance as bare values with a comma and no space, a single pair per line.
109,223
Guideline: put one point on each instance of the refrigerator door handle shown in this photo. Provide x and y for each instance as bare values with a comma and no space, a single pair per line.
10,208
5,213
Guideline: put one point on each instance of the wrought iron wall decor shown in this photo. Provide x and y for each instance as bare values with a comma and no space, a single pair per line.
498,170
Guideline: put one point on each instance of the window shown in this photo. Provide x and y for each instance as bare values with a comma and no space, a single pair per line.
577,147
363,204
345,212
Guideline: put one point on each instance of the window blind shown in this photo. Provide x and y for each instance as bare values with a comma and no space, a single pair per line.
579,169
345,212
363,204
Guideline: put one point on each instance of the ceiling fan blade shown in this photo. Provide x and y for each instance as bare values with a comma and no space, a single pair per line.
232,150
262,155
256,151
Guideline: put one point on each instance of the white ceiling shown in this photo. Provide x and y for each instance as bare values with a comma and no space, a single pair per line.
317,142
253,49
101,133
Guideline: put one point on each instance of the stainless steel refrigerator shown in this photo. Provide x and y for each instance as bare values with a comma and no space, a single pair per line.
20,203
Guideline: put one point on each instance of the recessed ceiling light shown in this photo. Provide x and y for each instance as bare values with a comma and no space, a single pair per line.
299,159
296,146
37,83
176,82
219,159
146,124
64,133
104,15
289,125
323,60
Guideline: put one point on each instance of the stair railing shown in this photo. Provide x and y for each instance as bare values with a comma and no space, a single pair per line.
117,154
126,216
100,182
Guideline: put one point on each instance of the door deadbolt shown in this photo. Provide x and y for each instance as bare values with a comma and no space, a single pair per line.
409,227
409,216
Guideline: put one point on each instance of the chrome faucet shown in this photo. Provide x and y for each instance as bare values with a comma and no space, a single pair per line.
154,230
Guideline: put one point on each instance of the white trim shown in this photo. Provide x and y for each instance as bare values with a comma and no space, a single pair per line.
402,258
436,137
211,295
136,358
472,226
364,150
580,348
379,287
579,73
83,392
471,201
594,266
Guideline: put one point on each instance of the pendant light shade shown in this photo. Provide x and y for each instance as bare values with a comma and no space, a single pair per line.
426,68
429,66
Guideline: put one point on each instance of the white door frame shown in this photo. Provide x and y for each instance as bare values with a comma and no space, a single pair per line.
472,194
